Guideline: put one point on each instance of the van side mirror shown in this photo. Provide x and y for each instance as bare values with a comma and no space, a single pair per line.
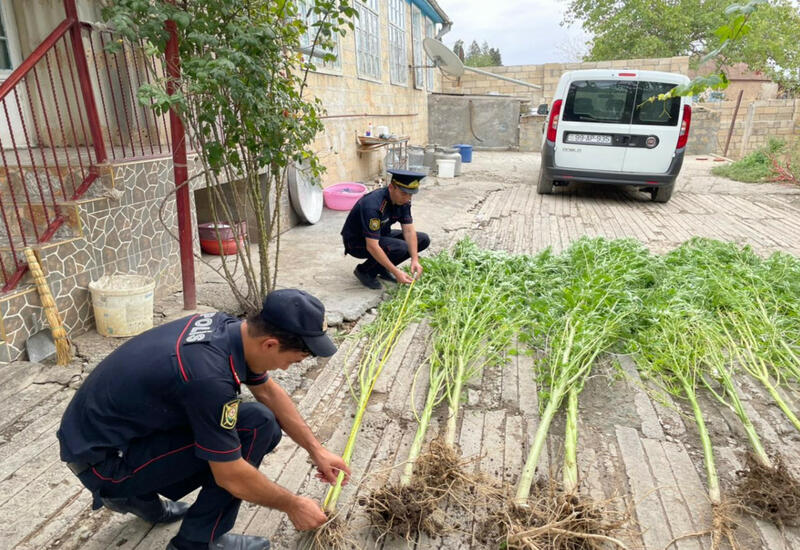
542,109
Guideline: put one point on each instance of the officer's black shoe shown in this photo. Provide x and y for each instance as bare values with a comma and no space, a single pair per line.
386,276
368,280
227,541
154,510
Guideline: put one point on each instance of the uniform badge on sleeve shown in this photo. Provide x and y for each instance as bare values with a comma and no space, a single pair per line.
374,224
230,414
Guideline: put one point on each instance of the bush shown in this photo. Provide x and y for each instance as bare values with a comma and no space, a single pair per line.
755,167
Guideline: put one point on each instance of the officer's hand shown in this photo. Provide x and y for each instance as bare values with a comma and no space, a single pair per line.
329,465
306,514
416,269
403,277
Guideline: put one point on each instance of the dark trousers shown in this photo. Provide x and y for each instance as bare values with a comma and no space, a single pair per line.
165,464
392,244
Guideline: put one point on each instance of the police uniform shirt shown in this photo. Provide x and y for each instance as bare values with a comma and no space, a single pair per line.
184,374
373,216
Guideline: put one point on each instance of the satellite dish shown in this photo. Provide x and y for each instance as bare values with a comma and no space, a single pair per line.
451,65
305,193
447,61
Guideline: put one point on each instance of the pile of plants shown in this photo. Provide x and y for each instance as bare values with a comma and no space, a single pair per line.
469,306
697,320
778,161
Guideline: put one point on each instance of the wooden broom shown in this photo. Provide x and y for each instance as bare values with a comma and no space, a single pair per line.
63,349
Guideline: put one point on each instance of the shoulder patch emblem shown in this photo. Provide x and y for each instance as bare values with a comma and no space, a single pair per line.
230,414
374,224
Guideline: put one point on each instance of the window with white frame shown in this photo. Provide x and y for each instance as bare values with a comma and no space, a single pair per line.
5,50
307,40
430,32
398,58
368,52
417,22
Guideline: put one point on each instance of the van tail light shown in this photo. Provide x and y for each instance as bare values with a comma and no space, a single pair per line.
683,137
552,125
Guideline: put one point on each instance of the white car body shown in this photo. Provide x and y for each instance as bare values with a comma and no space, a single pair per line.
602,129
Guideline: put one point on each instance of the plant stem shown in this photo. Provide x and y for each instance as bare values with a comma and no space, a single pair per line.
708,453
571,443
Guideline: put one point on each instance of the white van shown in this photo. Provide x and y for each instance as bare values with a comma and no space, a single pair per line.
600,130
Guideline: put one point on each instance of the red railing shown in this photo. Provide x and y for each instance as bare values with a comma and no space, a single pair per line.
55,137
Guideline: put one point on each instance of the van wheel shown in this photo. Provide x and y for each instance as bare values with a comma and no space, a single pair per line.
662,194
545,186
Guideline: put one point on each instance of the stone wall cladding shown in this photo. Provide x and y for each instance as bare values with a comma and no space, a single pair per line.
120,231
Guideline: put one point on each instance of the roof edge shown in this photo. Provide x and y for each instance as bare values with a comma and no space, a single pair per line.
434,11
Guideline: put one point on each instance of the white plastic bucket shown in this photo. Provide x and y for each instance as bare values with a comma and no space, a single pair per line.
123,304
446,167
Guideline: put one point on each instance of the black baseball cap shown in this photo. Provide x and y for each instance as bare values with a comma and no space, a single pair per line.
407,180
300,313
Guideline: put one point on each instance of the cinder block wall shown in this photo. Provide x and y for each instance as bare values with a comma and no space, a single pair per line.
756,122
547,76
704,131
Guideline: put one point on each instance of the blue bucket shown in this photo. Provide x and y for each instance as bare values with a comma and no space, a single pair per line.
466,152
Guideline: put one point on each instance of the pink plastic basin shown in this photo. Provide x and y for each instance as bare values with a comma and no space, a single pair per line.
343,196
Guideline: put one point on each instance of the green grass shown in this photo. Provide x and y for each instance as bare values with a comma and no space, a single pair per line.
755,167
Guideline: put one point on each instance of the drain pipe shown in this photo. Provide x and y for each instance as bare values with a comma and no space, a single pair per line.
447,24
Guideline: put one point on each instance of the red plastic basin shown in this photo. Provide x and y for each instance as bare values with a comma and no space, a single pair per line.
212,246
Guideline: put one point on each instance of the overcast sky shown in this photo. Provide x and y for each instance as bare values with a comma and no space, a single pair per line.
527,32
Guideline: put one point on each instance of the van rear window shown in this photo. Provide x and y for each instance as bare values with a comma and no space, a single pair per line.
658,113
617,102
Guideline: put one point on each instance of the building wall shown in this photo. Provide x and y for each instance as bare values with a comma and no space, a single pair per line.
352,103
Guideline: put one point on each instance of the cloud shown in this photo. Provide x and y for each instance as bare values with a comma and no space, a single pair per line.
527,33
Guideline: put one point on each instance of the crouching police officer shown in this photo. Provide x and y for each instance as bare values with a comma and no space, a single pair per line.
368,234
163,415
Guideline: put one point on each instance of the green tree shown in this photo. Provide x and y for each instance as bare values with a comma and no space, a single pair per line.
474,51
494,55
458,49
764,39
241,98
482,55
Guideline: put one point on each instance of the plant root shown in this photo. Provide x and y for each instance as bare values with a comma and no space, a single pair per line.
403,511
769,493
724,523
332,535
551,519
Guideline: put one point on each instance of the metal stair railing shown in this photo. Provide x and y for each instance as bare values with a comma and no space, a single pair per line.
56,145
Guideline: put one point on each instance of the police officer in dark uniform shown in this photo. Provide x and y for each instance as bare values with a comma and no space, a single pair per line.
163,415
368,234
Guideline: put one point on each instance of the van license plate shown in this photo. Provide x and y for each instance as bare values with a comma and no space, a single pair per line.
589,139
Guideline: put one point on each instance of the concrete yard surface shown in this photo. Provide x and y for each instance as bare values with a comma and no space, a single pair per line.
641,452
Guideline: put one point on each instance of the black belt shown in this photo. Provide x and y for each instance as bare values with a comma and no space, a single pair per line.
78,468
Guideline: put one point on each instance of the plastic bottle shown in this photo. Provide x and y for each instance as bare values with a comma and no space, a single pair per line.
369,129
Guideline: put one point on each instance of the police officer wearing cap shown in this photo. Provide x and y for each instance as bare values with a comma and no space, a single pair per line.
163,415
368,233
